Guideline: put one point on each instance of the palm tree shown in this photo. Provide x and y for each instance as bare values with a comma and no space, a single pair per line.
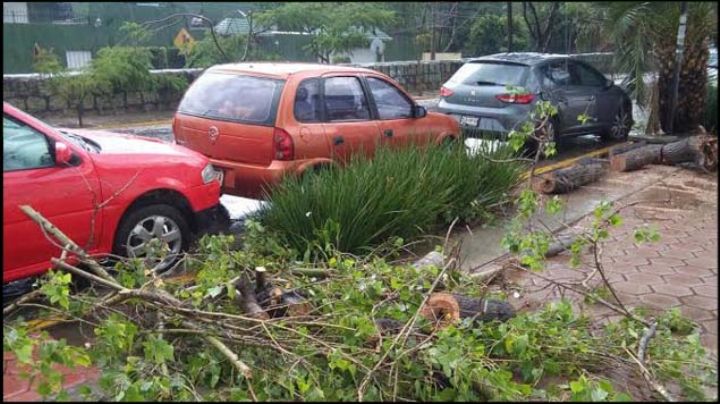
644,35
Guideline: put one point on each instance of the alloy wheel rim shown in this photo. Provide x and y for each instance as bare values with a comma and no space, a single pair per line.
155,227
620,125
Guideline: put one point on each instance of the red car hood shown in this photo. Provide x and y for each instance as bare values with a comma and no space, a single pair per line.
118,143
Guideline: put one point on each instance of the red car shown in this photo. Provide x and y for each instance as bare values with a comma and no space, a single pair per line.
110,193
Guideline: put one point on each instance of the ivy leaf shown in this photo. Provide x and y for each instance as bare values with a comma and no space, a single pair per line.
24,353
158,350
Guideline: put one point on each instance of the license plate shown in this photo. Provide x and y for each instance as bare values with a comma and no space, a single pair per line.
469,120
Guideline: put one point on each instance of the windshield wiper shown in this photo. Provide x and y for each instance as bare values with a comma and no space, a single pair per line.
487,83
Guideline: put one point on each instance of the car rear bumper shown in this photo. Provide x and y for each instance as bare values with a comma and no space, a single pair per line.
249,180
494,123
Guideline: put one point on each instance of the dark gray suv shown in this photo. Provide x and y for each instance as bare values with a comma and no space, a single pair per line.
480,96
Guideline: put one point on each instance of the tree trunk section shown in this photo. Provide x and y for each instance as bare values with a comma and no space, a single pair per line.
568,179
446,308
637,158
624,148
248,300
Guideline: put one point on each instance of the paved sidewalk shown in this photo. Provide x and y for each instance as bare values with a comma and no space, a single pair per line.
16,388
678,271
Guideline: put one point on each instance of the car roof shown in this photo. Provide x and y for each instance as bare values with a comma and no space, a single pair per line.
283,70
524,58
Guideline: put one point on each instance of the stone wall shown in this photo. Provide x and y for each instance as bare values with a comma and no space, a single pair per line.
31,93
418,77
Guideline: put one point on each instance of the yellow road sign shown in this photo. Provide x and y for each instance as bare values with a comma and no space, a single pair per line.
183,39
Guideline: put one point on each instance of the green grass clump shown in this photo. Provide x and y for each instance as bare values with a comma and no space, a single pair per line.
398,193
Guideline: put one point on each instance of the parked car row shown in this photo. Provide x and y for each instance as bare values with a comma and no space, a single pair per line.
240,128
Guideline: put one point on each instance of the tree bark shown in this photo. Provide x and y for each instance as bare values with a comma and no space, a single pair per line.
624,148
248,300
686,150
447,308
565,180
636,158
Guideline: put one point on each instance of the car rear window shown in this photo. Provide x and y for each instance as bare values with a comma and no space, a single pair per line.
503,74
232,97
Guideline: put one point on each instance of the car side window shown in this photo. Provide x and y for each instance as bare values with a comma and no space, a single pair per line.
555,75
345,99
582,75
307,101
391,103
24,148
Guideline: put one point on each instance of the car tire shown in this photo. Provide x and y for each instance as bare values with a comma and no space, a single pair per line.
531,145
619,128
149,222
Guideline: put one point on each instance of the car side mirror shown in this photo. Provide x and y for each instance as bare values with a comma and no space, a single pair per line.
63,154
419,111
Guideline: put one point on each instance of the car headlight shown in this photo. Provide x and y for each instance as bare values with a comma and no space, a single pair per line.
210,174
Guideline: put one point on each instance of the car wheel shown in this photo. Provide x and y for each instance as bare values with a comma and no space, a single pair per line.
551,131
153,222
620,127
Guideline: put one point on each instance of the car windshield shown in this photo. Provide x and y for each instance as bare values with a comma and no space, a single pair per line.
233,97
484,74
85,143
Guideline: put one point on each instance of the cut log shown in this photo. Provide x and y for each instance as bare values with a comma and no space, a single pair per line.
446,308
567,179
637,158
248,300
562,243
701,150
433,258
686,150
625,147
591,160
279,303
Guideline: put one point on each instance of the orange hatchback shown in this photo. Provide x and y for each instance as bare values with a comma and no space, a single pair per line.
261,121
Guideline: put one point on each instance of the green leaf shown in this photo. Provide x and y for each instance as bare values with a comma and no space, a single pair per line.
598,394
24,353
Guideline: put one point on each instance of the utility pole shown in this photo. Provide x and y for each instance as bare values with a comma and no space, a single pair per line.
509,26
679,49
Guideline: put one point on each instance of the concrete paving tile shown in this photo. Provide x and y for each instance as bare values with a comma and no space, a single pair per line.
707,290
697,314
682,279
658,301
700,302
673,290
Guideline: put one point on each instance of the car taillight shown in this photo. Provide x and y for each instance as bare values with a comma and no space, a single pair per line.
283,145
446,92
516,98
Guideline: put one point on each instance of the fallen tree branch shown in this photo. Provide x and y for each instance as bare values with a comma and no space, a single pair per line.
582,292
642,346
23,299
650,380
65,240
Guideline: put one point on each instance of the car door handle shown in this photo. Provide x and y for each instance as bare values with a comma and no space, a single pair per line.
338,140
388,133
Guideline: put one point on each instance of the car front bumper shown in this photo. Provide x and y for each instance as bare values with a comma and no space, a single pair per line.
212,221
